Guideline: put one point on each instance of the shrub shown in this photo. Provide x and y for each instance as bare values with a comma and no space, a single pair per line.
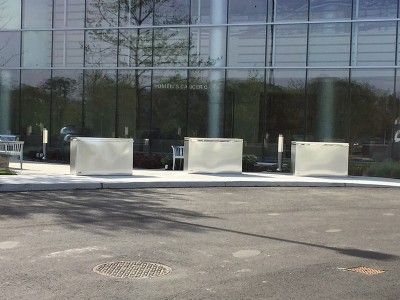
7,172
358,168
147,161
248,162
249,159
167,160
387,169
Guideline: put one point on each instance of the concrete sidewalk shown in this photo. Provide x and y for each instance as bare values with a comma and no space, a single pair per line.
51,176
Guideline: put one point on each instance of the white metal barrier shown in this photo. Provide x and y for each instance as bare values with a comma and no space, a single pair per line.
213,155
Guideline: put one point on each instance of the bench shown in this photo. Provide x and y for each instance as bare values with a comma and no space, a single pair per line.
8,137
12,148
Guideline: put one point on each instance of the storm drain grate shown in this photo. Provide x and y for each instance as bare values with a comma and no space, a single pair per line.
132,269
365,270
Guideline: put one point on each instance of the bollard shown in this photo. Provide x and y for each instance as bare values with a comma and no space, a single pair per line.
280,153
45,141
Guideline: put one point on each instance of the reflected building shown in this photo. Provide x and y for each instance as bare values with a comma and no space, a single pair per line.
160,70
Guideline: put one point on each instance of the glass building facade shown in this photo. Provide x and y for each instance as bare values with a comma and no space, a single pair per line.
160,70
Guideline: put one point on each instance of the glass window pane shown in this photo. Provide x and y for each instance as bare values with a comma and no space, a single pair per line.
329,44
10,14
246,46
209,12
168,125
135,47
328,98
200,47
284,110
198,103
69,13
102,13
374,43
172,12
373,113
206,103
37,13
36,49
200,12
331,9
133,12
396,124
68,48
10,49
375,9
99,105
291,10
35,107
208,46
171,47
287,45
243,108
66,109
133,110
101,48
398,44
9,102
247,11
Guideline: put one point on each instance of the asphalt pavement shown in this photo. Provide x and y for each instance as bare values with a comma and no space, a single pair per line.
201,243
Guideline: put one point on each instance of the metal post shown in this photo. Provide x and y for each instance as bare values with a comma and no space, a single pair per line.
280,153
45,140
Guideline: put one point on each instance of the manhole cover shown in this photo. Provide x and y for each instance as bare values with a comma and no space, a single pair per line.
365,270
132,269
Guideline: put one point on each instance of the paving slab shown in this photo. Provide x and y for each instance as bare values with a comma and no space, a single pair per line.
53,176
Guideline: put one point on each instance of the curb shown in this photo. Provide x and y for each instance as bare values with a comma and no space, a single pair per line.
25,187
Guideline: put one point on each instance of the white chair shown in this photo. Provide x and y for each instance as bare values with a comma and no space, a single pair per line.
13,148
177,153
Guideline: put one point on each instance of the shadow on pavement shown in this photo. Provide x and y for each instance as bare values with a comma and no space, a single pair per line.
114,210
139,209
346,251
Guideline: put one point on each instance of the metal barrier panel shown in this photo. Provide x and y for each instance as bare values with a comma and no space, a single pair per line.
101,156
319,159
213,155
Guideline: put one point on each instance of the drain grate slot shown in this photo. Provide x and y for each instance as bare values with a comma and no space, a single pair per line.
366,271
132,269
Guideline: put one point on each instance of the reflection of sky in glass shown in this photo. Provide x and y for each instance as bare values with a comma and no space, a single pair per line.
247,11
37,14
10,17
9,49
34,53
377,9
172,11
332,9
291,10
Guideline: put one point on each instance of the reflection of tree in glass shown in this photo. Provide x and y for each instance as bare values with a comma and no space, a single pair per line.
99,110
373,111
246,108
6,37
138,44
35,103
369,111
62,90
